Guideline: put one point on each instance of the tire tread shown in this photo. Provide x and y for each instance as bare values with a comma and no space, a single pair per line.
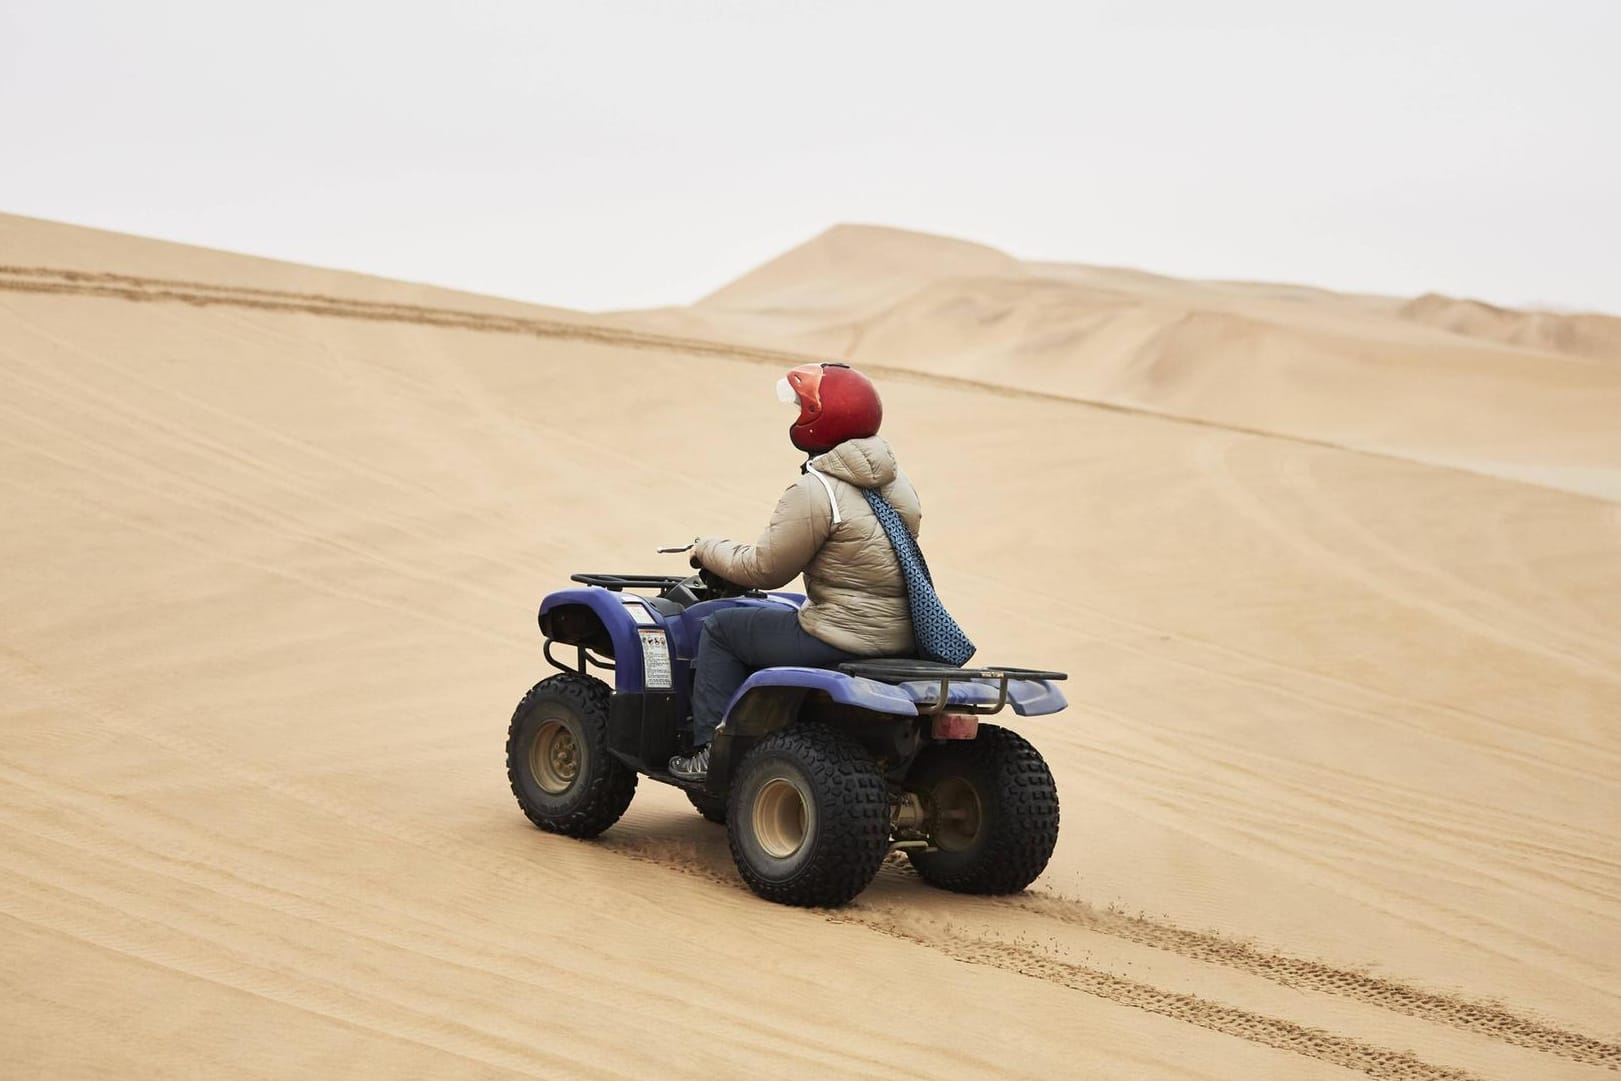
610,785
852,808
1023,824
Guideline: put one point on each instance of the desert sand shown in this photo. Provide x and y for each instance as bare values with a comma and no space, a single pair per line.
1338,580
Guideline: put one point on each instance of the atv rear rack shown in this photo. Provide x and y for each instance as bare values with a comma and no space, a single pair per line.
913,671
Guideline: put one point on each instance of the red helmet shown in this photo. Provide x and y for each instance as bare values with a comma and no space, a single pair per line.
836,403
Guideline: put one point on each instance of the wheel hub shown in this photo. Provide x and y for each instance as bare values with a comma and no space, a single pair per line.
781,818
958,814
554,757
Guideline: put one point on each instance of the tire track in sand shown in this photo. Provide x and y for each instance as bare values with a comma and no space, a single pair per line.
129,287
1305,974
1298,973
1380,1063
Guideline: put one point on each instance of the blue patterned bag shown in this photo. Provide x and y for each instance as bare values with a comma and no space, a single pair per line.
938,636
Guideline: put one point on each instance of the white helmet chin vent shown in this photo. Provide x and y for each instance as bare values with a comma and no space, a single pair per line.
786,393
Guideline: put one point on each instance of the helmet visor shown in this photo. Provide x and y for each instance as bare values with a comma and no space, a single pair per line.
786,394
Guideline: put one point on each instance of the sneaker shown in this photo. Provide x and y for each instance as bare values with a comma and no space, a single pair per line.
694,767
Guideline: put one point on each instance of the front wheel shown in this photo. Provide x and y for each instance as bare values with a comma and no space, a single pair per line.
991,813
808,819
558,760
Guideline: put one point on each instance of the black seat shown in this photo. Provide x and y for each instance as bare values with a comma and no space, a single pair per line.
673,605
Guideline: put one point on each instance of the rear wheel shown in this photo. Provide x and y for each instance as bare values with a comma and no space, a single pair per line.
991,812
808,818
558,761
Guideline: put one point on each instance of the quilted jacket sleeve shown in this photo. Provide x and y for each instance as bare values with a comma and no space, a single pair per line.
799,527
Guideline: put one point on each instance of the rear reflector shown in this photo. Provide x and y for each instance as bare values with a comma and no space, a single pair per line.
955,726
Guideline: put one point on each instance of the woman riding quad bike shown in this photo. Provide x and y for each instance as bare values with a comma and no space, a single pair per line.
824,529
816,734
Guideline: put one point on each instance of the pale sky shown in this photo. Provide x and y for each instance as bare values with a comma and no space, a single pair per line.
629,154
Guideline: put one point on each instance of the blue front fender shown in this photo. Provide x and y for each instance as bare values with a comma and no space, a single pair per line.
621,628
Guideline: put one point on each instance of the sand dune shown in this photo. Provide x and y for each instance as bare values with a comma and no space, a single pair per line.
1596,336
1533,396
1339,780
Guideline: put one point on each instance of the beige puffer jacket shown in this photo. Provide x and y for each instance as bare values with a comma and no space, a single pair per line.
857,598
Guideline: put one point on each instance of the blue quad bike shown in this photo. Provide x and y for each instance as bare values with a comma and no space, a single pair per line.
816,773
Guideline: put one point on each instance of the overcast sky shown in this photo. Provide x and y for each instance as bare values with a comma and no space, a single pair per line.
628,154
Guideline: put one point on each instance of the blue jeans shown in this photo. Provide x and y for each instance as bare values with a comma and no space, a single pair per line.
736,642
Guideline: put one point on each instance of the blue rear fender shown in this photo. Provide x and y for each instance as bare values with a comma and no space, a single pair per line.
782,683
1026,697
758,704
889,717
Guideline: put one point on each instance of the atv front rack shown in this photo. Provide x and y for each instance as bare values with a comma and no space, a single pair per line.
901,672
617,582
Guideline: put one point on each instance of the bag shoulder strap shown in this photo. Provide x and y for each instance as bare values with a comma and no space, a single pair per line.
832,498
900,538
937,636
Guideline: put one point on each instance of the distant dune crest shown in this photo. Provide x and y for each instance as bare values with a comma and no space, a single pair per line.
1582,335
1433,379
849,262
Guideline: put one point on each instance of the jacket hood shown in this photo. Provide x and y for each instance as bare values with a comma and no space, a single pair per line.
865,463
